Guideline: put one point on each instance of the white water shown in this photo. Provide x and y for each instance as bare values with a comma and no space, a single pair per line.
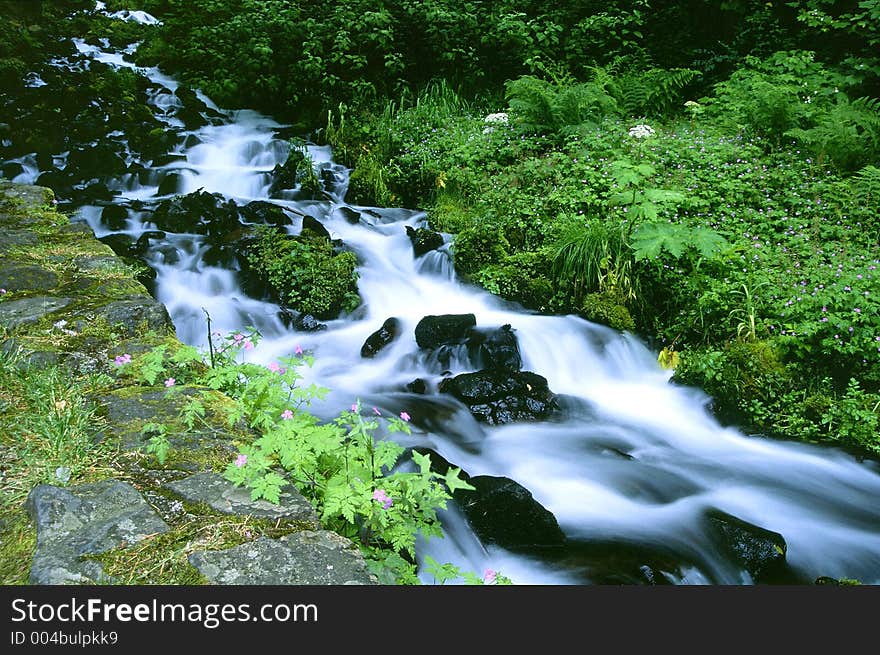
638,465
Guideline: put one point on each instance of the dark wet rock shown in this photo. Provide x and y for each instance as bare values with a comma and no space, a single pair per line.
418,386
198,212
284,176
260,211
96,161
330,179
303,558
500,510
143,241
389,331
11,170
27,278
57,180
308,323
223,496
15,313
169,184
191,111
311,226
134,315
219,256
495,349
759,551
504,512
85,520
114,217
423,240
350,215
497,397
433,331
94,192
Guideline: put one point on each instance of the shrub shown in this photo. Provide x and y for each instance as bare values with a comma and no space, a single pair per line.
306,272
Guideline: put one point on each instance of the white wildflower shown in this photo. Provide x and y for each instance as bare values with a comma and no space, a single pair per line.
60,325
500,117
641,131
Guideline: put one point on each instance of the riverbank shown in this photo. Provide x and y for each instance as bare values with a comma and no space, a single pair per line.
83,501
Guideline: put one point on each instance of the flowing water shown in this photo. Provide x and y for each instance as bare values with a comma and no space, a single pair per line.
629,469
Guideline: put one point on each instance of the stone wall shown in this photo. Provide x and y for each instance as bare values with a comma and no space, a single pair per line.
66,300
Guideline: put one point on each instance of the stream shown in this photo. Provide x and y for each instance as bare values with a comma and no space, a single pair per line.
631,465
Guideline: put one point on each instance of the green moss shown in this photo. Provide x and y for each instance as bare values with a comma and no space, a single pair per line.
450,213
18,539
608,309
369,184
306,273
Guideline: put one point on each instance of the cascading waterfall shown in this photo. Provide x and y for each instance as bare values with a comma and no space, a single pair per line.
632,464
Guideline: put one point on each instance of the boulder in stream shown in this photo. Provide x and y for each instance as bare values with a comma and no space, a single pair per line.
423,240
433,331
389,331
759,551
498,397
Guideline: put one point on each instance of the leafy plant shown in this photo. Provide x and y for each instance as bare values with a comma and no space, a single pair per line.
594,257
650,240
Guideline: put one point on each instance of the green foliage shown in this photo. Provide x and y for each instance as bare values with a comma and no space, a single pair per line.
479,246
443,573
306,272
550,107
352,476
594,257
157,441
609,309
651,92
650,240
525,278
848,134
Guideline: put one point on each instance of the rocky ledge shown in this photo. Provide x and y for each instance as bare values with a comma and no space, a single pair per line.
67,300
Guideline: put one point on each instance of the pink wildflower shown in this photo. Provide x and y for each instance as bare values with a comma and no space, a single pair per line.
170,382
241,460
380,496
405,416
286,415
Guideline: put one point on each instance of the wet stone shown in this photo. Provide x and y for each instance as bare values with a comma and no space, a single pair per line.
10,239
223,496
135,313
16,313
302,558
85,520
27,278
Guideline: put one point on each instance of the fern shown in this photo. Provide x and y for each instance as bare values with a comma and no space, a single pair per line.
866,184
848,134
544,106
652,92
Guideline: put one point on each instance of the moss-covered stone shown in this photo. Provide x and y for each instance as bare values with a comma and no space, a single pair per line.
607,309
306,272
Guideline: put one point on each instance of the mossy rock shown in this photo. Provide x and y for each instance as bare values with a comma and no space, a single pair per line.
607,309
306,273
